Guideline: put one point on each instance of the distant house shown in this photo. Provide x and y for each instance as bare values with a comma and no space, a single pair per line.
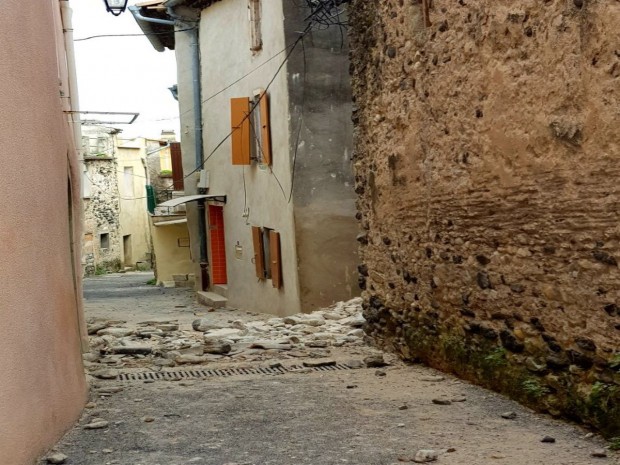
116,227
171,245
268,181
102,245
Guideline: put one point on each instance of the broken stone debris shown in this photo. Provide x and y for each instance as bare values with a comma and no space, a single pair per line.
96,424
425,455
56,458
167,344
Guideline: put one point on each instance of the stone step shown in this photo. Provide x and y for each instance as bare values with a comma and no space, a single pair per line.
221,289
211,299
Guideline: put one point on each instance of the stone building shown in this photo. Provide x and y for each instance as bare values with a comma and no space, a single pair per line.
102,247
116,227
42,387
277,233
486,164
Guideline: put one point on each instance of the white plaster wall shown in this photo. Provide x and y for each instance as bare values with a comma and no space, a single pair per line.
226,56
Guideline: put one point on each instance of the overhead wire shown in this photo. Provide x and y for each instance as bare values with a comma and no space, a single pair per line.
132,34
320,14
301,121
254,106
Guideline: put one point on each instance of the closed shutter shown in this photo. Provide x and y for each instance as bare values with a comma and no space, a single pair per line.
259,255
177,166
240,130
276,260
265,129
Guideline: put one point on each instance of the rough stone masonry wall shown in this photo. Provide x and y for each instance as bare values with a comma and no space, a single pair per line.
101,215
487,164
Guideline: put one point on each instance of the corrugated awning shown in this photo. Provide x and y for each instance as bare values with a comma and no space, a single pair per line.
170,222
192,198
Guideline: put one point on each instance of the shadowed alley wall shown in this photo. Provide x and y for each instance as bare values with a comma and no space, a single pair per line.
42,388
487,150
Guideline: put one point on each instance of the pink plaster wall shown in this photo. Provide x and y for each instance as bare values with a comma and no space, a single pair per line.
42,386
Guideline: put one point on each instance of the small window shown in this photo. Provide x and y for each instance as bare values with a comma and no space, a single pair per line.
86,186
128,181
267,256
267,251
250,129
255,25
104,241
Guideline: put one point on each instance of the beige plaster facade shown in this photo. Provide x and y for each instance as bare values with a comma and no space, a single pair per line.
306,193
42,388
133,216
172,253
265,203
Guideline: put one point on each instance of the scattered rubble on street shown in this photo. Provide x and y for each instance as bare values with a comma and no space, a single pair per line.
164,343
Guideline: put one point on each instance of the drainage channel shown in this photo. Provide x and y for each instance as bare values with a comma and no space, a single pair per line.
222,372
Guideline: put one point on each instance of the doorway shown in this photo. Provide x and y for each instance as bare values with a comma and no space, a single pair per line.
128,260
217,243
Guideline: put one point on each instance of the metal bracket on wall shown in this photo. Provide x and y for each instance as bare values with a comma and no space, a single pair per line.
122,114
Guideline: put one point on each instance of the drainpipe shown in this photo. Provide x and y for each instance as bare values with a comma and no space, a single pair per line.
202,222
74,105
198,148
73,86
135,11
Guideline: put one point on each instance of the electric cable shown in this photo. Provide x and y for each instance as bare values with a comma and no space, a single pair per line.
256,104
301,121
132,35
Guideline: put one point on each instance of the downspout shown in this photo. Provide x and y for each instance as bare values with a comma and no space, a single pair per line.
197,91
198,147
74,105
135,11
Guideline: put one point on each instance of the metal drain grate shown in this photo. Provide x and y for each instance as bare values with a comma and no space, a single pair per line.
222,372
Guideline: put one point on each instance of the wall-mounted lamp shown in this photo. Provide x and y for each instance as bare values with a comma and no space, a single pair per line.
116,7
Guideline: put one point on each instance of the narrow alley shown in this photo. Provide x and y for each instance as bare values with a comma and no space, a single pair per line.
298,390
310,232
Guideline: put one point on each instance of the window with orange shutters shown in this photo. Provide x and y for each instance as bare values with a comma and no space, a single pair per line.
267,255
251,129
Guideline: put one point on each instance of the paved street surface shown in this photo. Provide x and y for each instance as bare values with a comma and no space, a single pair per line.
342,413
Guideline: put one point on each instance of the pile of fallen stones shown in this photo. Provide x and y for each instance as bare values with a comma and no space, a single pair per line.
166,344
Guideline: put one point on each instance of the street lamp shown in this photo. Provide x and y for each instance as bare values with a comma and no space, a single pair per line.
116,7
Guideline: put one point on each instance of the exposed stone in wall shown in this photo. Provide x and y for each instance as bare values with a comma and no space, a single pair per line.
486,169
101,215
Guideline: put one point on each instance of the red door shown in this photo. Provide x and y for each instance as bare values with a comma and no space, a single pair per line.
218,249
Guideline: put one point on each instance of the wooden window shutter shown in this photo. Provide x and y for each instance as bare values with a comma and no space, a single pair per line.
265,129
240,125
177,166
276,259
259,255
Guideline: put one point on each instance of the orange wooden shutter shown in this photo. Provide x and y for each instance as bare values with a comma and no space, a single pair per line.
265,129
259,255
240,126
276,259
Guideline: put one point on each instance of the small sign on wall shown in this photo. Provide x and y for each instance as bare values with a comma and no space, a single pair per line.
183,241
238,251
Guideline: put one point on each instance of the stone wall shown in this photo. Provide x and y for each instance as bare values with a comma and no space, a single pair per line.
101,216
486,166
